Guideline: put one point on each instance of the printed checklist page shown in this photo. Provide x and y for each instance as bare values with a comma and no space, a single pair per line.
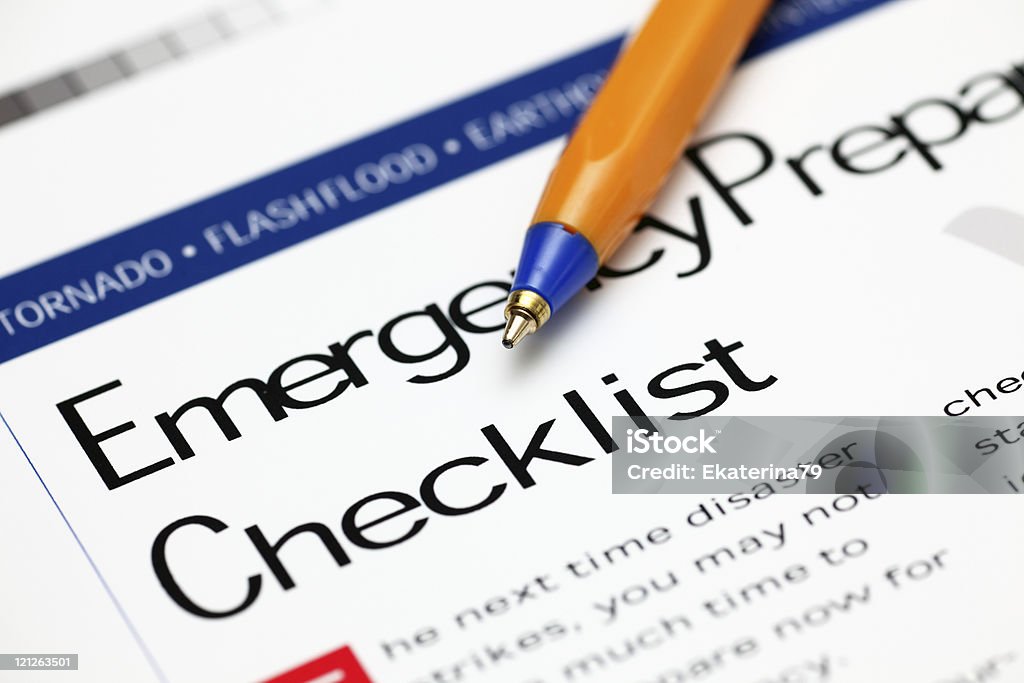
259,425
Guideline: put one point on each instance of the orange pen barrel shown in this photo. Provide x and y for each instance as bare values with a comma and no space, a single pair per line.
623,149
636,128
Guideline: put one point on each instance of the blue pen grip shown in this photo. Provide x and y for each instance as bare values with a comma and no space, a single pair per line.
555,263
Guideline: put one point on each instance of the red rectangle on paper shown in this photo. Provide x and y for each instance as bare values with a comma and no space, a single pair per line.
340,666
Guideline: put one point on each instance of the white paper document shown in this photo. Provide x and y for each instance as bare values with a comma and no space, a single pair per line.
256,415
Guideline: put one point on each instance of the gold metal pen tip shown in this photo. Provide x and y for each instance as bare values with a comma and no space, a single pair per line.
518,325
525,313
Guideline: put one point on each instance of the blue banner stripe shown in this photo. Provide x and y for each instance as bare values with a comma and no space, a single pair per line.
788,20
143,264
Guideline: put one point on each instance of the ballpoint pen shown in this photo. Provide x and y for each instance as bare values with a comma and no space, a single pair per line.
623,148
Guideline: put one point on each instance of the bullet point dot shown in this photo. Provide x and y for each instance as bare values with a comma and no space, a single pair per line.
452,146
188,251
